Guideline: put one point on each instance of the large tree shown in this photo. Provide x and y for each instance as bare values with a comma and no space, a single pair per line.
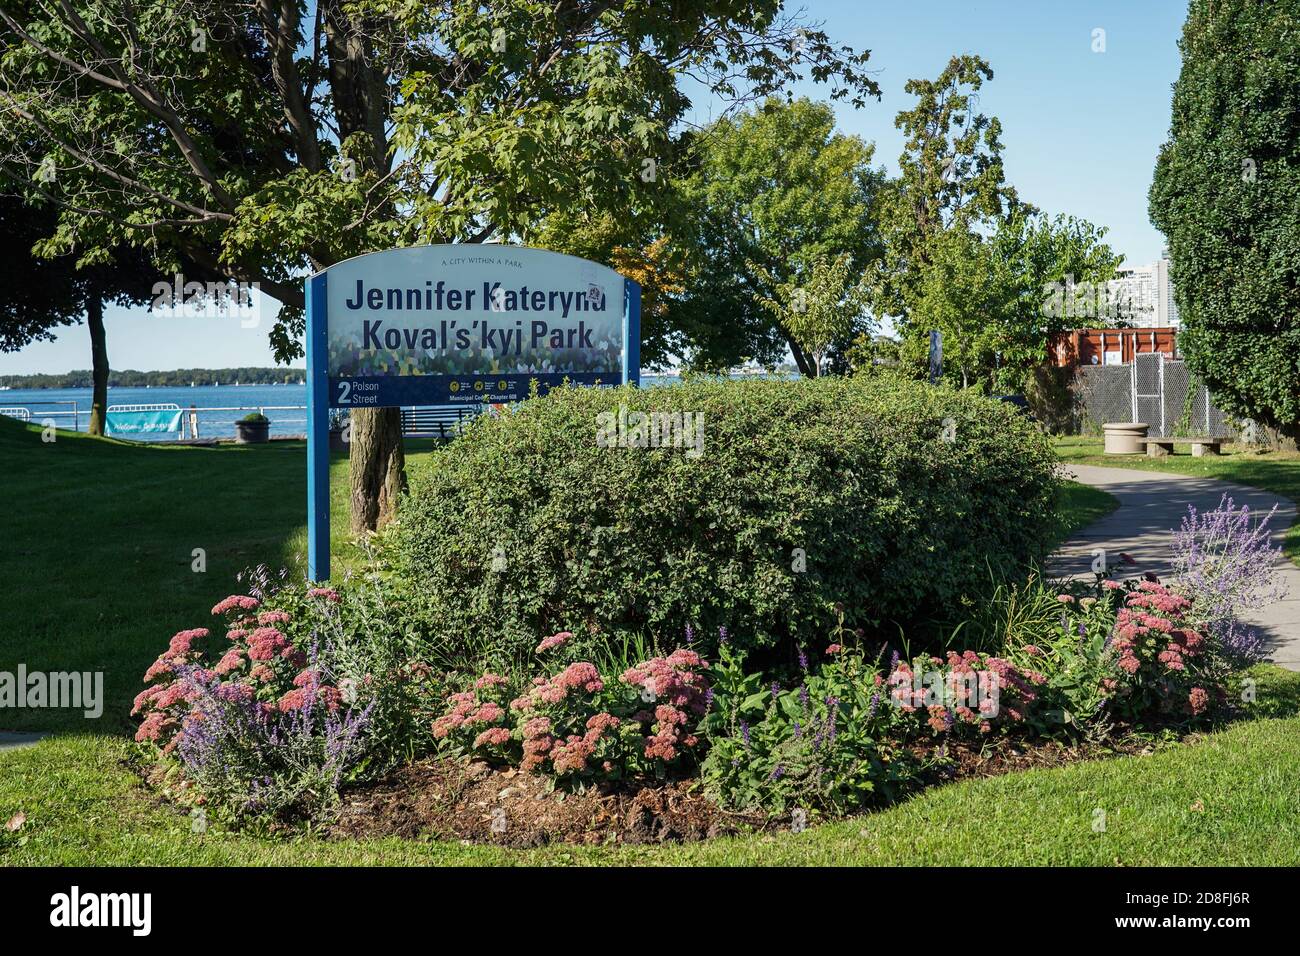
1227,196
272,138
962,252
39,294
992,297
950,178
774,191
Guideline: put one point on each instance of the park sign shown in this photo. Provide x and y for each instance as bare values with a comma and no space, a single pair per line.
461,324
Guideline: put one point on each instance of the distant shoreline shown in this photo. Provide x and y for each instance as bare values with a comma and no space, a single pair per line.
174,378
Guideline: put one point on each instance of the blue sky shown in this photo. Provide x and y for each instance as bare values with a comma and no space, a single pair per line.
1081,130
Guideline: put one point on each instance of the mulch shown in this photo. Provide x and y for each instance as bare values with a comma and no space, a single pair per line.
455,799
449,799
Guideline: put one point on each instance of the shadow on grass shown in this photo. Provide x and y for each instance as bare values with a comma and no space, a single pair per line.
110,547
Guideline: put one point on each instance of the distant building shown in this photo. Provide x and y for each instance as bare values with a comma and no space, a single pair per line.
1144,295
1166,309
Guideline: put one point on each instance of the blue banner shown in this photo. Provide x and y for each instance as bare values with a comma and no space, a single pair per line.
378,391
139,423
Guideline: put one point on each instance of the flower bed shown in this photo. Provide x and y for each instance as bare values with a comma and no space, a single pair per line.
302,692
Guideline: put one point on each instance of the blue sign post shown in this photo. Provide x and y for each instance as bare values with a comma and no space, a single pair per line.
455,325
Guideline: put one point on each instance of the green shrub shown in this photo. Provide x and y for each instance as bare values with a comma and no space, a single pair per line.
804,494
1226,195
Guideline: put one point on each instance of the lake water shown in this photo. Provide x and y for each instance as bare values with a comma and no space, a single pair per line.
57,404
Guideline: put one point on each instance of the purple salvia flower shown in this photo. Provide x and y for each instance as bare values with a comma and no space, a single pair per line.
1227,566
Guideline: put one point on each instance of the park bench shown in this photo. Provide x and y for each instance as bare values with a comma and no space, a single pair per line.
443,422
1160,447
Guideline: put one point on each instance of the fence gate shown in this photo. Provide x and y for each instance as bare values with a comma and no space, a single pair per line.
1147,373
1154,389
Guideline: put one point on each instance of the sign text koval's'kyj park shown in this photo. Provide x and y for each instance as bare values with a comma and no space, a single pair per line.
453,324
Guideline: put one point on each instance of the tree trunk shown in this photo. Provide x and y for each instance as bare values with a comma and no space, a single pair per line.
357,84
801,360
98,363
377,467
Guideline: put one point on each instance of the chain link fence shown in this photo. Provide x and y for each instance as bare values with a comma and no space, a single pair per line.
1154,389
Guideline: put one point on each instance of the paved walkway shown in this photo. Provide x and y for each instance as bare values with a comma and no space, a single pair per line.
1151,506
9,741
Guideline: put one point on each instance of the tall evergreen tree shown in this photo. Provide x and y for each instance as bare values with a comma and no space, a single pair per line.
1226,194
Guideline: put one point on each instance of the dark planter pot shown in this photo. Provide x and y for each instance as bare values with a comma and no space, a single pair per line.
337,442
252,433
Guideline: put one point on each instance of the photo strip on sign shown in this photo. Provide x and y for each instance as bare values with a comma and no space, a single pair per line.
457,325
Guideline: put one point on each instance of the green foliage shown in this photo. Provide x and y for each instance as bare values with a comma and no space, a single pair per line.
991,297
832,742
803,494
965,293
1227,195
1068,642
963,253
819,308
42,288
267,146
774,190
951,177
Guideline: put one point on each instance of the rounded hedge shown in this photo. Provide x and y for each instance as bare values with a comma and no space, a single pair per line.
889,497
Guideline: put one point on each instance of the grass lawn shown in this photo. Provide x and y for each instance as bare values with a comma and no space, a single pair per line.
99,537
98,547
1278,472
1229,798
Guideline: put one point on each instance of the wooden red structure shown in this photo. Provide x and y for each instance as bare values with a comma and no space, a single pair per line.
1109,346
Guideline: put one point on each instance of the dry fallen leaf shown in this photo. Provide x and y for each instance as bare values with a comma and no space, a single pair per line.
16,822
1198,806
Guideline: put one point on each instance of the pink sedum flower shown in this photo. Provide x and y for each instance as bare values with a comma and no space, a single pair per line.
554,641
236,602
495,737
